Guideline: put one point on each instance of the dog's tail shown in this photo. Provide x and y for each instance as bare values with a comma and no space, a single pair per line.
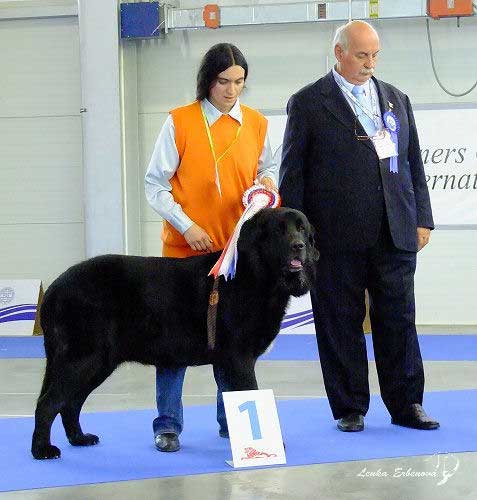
47,322
46,311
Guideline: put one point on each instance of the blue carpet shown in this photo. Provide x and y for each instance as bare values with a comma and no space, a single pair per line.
21,347
433,348
289,347
126,451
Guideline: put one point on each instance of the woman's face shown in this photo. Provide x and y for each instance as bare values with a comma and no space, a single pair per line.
226,88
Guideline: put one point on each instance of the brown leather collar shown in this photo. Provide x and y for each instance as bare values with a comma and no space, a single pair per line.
212,314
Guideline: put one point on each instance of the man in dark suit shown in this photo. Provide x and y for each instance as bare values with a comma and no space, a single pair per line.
351,162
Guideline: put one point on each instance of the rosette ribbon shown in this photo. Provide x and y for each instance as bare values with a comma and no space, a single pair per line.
254,199
391,122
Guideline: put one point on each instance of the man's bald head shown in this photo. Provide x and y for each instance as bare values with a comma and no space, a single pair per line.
352,29
356,47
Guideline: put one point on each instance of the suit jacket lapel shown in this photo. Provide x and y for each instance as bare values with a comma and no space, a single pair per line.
336,103
383,97
334,100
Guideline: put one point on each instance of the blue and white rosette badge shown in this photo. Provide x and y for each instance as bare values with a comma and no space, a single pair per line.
254,199
391,123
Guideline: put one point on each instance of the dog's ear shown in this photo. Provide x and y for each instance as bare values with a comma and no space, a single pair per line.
313,250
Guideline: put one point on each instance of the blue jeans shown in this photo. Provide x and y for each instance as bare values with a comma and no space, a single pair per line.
169,400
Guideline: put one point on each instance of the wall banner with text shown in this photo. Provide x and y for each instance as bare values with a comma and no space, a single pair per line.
448,143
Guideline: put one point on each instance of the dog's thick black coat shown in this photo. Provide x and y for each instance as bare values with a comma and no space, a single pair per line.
153,310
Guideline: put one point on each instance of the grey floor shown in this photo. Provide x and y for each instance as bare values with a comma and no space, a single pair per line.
132,387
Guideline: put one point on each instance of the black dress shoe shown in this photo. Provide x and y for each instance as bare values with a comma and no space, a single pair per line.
168,441
415,417
354,422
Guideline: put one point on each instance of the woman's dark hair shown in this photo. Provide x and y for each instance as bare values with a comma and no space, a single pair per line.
217,59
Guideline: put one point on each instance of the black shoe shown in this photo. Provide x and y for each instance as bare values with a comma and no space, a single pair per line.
224,433
415,417
354,422
168,441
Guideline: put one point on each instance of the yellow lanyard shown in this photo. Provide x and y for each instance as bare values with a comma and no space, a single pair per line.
212,149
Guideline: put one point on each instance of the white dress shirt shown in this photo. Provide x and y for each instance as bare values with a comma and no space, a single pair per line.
165,162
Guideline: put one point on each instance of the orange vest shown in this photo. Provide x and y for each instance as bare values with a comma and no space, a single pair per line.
193,184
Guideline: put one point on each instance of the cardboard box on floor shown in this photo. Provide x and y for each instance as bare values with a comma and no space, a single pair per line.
367,321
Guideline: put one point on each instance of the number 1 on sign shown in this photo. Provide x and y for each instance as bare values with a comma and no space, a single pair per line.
251,408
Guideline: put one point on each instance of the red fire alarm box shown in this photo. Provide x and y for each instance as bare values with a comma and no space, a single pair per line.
211,15
449,8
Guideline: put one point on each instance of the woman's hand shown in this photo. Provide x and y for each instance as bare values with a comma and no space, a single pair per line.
269,183
198,239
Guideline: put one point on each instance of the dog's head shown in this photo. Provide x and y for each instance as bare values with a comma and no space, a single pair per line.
278,244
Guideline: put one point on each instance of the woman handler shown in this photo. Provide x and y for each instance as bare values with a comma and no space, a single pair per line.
207,154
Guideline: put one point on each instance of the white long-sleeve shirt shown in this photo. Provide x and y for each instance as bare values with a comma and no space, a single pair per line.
165,162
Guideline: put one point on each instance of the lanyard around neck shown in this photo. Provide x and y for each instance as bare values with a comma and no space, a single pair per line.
365,110
212,149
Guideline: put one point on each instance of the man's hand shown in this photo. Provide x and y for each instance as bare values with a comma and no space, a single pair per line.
269,183
198,239
423,237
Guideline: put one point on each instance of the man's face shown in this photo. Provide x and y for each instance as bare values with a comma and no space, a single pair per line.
357,63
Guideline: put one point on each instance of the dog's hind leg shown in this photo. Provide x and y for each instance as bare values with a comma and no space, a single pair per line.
47,408
65,393
83,377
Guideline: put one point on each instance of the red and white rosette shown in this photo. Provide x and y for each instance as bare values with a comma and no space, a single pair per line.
254,199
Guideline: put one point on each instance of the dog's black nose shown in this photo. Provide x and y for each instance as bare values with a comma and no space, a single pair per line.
298,245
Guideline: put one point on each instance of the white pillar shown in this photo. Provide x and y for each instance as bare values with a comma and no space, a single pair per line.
100,77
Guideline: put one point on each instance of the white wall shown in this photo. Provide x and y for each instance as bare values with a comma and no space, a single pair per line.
282,58
41,176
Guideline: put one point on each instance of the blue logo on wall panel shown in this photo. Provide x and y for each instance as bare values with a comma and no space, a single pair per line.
295,320
20,312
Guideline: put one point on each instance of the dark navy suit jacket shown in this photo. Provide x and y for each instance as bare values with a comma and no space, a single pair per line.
340,183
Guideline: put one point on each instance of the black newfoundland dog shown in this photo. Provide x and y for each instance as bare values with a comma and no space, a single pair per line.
153,310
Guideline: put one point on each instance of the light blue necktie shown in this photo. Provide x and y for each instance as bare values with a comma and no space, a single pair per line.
368,124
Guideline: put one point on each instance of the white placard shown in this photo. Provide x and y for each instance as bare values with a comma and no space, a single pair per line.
254,428
449,153
19,303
